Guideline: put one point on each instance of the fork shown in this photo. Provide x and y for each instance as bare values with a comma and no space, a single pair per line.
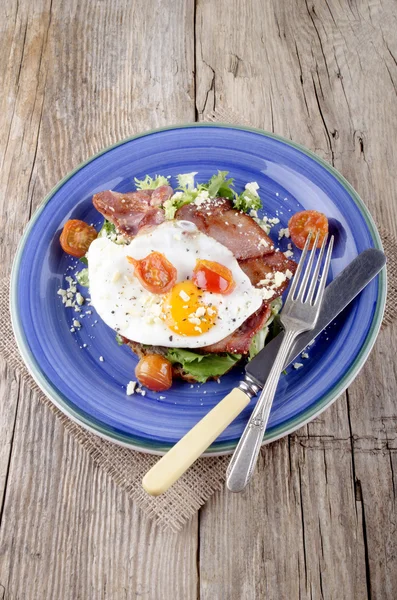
299,314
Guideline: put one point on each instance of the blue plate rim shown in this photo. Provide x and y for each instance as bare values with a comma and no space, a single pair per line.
228,447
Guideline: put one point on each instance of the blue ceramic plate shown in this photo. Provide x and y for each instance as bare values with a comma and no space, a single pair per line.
66,365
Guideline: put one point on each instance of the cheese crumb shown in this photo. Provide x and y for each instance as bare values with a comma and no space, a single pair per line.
297,366
252,187
304,355
76,323
185,297
284,232
279,278
288,254
288,273
79,299
131,388
101,359
200,312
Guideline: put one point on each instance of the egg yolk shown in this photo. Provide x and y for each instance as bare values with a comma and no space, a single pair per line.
184,311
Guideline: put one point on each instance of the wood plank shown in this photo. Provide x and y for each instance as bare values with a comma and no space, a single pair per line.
323,74
68,532
76,77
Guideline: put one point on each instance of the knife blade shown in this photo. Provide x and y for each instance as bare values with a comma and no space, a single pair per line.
338,294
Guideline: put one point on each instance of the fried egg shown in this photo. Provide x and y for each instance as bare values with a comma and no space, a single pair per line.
184,317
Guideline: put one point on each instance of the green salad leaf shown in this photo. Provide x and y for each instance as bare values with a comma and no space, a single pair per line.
84,260
202,366
149,183
82,277
260,338
218,185
108,230
247,201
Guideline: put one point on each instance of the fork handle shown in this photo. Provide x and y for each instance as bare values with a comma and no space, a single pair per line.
245,456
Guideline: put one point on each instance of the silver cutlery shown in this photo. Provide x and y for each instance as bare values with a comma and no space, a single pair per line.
299,314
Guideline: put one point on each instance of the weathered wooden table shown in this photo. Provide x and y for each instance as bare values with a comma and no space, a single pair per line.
319,520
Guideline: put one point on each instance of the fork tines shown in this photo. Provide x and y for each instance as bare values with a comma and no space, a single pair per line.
303,294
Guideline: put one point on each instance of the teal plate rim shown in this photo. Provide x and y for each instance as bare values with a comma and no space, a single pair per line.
228,447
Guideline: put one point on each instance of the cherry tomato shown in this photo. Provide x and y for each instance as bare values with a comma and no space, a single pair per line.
305,222
76,237
213,277
155,272
154,372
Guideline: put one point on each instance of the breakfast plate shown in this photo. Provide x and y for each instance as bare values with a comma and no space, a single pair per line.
85,373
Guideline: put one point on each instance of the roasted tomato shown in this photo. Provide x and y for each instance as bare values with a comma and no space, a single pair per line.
213,277
76,237
305,222
154,372
155,272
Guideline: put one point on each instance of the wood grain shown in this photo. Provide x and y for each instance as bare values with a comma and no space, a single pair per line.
76,77
319,520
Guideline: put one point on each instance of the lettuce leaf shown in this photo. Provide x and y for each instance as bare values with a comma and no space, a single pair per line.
202,366
259,339
247,201
149,183
218,185
82,277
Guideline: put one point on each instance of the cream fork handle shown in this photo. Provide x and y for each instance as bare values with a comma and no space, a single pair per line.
181,456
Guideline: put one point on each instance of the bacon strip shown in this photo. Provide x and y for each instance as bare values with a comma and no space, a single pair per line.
232,228
129,212
239,341
258,268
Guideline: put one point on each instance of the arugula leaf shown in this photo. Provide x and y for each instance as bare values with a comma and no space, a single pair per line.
149,183
202,366
84,260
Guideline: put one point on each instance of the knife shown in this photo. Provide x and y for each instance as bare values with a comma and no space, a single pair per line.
338,294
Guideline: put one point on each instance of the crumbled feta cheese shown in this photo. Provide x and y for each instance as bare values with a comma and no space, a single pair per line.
131,388
116,276
76,323
72,330
68,303
297,365
284,232
198,329
211,311
252,187
288,254
279,278
266,293
185,297
193,319
273,221
202,197
288,273
253,213
263,242
61,292
79,299
304,355
101,359
200,312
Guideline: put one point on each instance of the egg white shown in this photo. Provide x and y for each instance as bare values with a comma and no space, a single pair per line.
132,311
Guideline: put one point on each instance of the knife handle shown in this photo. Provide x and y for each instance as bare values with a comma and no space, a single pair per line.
181,456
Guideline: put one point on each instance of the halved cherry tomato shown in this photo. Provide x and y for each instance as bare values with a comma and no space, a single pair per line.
213,277
305,222
155,272
76,237
155,372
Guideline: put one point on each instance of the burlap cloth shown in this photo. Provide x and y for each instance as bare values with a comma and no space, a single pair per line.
127,467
